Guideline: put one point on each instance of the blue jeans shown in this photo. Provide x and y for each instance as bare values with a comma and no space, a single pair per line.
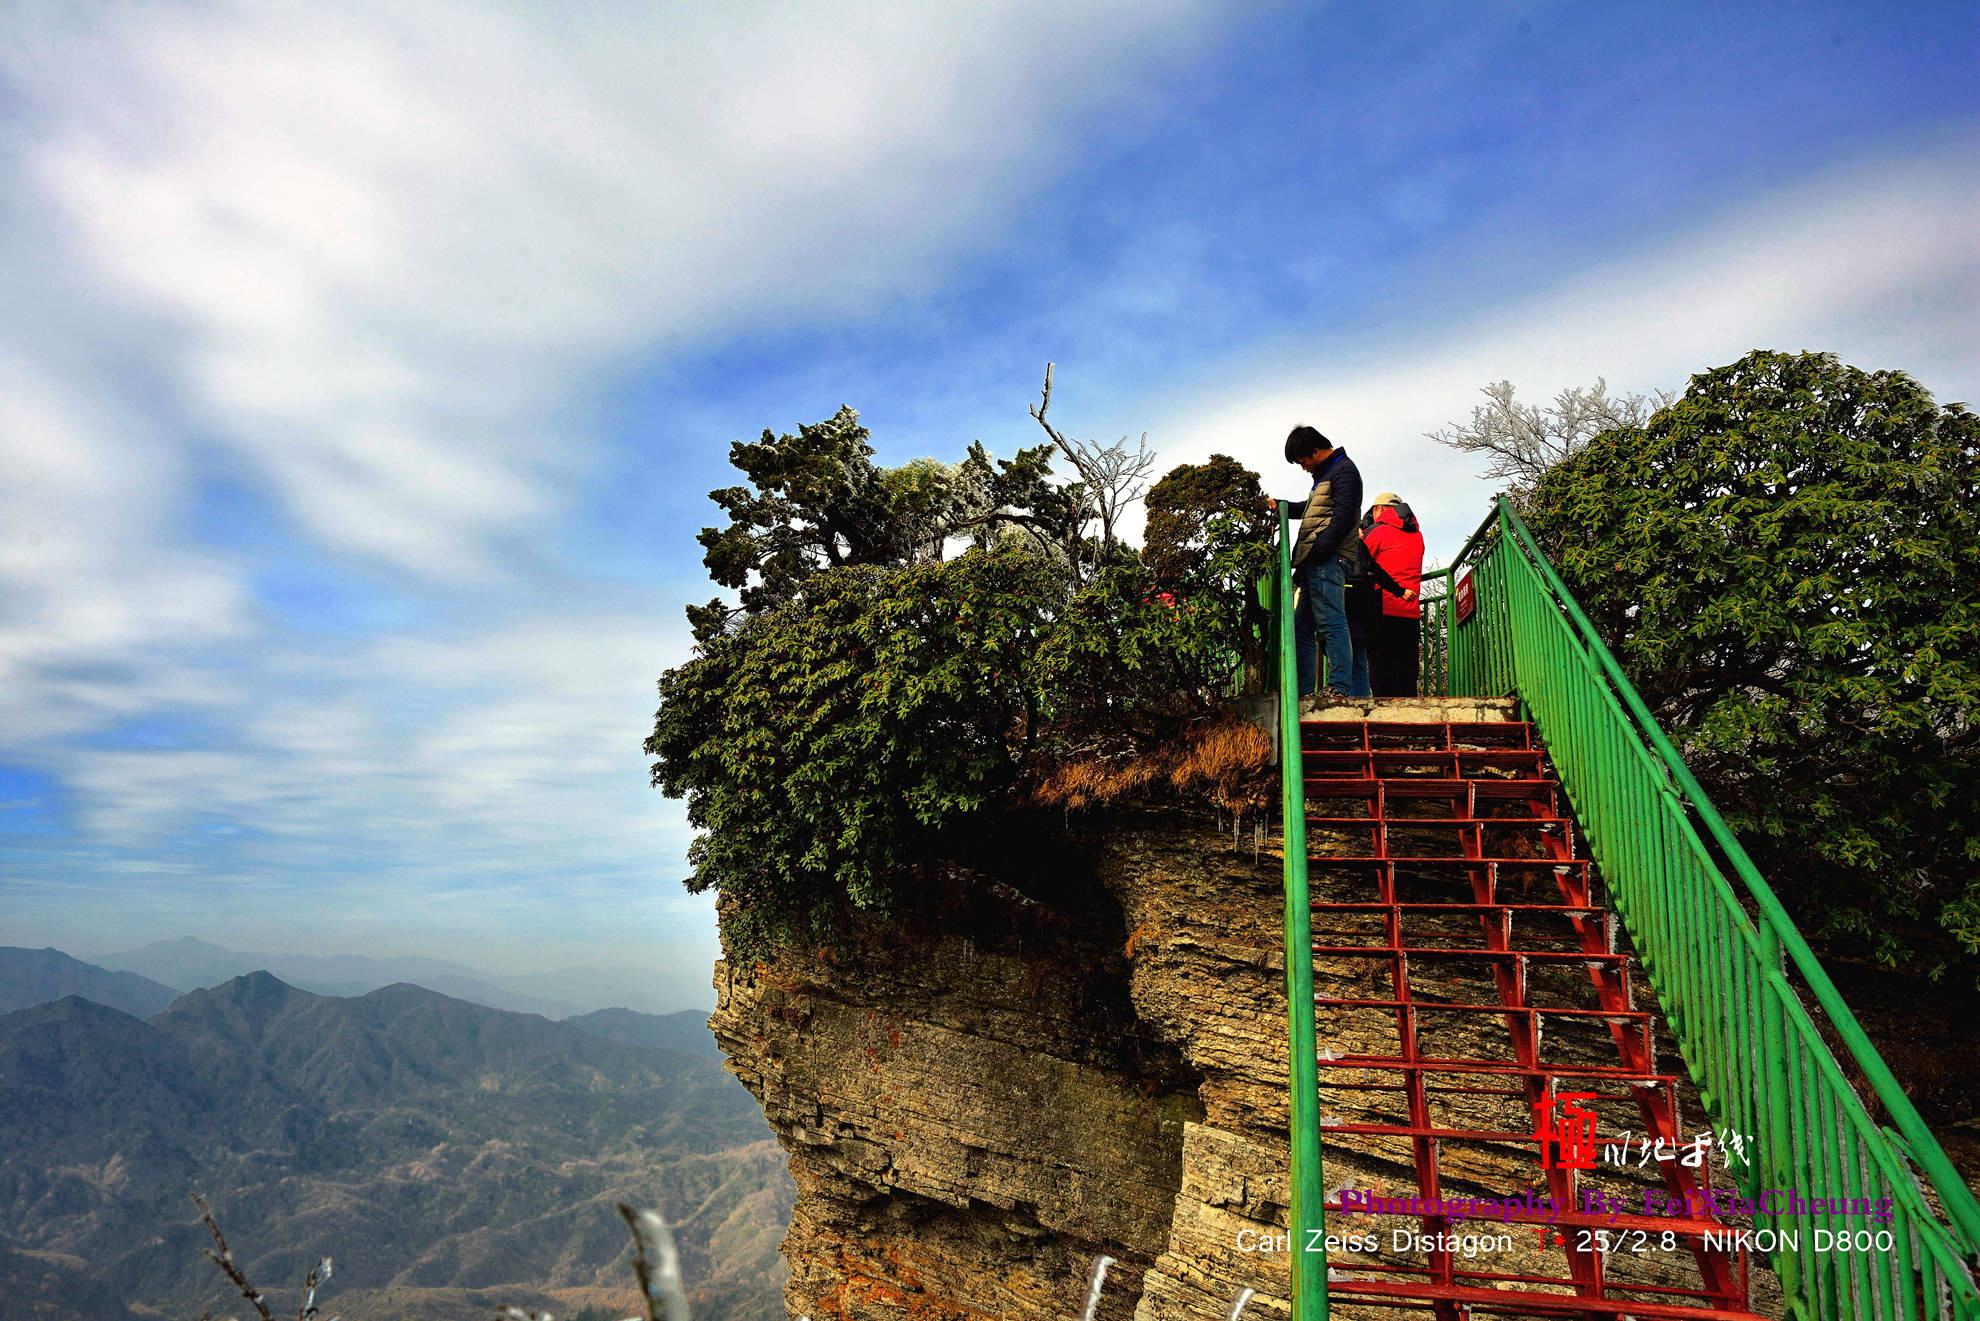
1322,622
1360,678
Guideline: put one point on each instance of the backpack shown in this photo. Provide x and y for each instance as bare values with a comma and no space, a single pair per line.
1364,598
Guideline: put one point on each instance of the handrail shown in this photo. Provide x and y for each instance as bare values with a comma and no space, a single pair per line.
1304,1216
1961,1206
1761,1063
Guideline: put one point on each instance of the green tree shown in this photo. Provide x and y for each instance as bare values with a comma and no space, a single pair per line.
816,500
872,706
1208,541
825,745
1787,563
884,718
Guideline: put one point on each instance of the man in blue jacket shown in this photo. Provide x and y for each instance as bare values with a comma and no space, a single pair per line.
1327,518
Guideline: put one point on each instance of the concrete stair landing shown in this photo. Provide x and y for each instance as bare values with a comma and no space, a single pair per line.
1411,710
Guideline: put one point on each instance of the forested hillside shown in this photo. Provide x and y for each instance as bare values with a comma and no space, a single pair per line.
449,1157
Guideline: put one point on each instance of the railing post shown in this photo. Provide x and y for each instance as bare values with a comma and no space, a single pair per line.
1306,1215
1268,597
1779,1168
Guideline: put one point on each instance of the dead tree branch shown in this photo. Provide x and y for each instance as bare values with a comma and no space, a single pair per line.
1521,442
657,1264
317,1275
1114,476
224,1259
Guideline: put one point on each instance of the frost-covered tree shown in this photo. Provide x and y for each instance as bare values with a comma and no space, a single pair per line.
1522,442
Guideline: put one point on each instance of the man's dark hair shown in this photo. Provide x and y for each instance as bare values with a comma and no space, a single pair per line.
1302,441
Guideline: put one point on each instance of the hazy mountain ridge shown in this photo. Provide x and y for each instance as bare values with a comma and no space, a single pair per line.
427,1143
187,963
190,964
37,976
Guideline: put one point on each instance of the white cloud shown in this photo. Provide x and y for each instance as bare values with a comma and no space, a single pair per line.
91,592
383,243
377,259
514,748
378,256
1876,262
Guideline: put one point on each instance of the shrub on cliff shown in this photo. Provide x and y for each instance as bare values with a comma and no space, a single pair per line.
1209,541
826,746
821,744
1787,562
871,705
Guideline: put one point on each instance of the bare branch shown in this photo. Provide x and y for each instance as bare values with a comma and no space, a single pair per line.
1100,1265
1058,438
657,1265
1045,403
1522,441
319,1273
224,1259
1114,476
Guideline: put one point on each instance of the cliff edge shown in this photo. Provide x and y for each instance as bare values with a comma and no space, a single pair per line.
980,1107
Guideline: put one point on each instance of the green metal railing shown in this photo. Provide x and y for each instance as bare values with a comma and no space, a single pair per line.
1305,1215
1712,936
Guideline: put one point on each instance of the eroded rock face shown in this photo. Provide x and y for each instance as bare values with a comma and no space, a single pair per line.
978,1110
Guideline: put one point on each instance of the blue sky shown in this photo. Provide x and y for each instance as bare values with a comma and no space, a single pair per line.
364,368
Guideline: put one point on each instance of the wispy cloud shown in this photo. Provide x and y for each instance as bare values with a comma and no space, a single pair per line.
97,591
373,264
374,273
381,248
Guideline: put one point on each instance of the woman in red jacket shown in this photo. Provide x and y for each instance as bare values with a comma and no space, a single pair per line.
1396,544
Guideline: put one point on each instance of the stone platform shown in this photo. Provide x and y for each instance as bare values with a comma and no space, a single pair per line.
1411,710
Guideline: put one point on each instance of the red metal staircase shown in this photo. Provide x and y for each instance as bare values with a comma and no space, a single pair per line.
1460,939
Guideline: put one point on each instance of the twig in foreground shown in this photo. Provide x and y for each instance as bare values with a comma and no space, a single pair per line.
224,1259
657,1265
318,1273
1100,1265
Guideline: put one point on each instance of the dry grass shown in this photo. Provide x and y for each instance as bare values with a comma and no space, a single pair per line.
1228,761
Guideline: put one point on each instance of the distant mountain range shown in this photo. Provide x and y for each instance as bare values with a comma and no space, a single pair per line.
186,963
39,976
36,976
451,1157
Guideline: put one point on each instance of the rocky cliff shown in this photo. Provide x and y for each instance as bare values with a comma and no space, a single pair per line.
979,1108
